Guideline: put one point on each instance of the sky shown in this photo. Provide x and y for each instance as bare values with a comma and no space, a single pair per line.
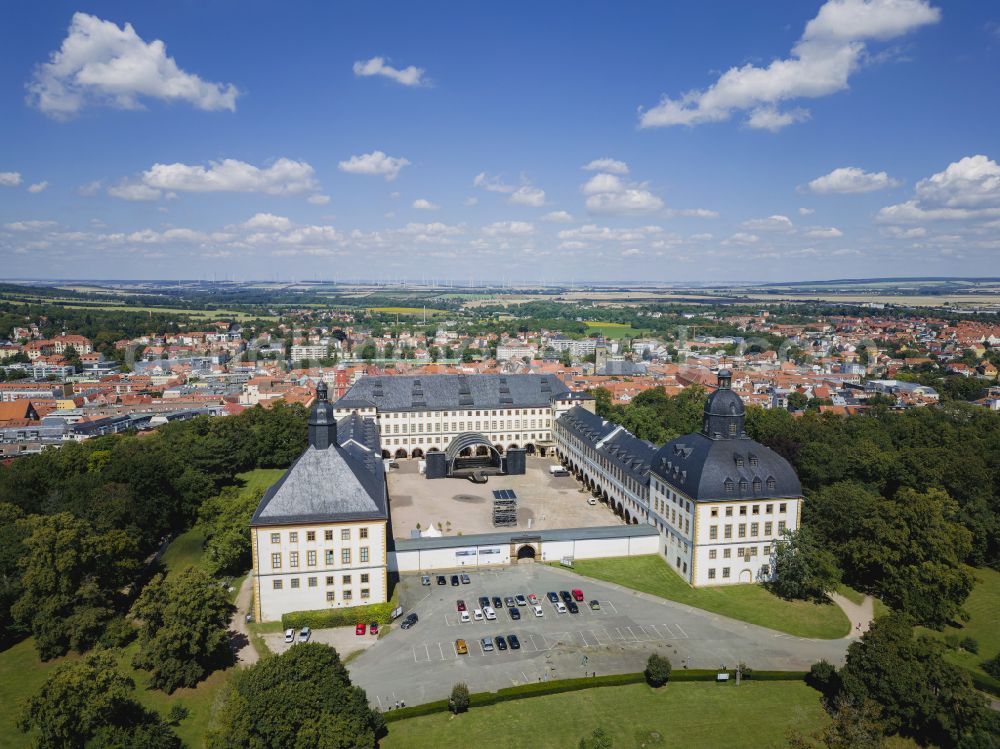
500,143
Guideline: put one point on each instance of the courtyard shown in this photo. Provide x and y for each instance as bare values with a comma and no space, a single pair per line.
458,506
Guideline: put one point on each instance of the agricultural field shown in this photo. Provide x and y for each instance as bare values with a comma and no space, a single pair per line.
411,311
615,329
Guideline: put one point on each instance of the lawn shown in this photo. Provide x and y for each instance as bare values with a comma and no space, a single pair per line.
614,329
983,606
685,714
259,478
749,603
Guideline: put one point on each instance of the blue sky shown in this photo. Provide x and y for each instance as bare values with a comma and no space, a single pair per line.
524,142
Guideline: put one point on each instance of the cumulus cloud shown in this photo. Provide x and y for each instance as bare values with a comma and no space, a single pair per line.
492,184
693,212
318,199
824,232
133,191
612,166
806,211
283,177
376,162
852,179
10,179
268,221
100,63
28,225
631,252
558,217
831,49
609,194
425,205
409,76
741,237
966,189
529,196
509,228
776,223
38,187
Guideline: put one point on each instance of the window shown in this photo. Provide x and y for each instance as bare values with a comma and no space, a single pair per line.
725,572
713,532
311,558
364,553
329,579
275,561
770,483
715,512
330,595
728,531
782,507
345,556
711,553
767,528
740,551
293,537
312,582
743,509
755,510
275,538
293,559
310,535
295,582
711,573
743,487
347,595
743,530
781,526
345,579
364,593
345,534
754,529
278,584
769,508
726,553
756,486
739,460
767,551
765,569
327,535
728,485
729,512
363,533
364,577
329,556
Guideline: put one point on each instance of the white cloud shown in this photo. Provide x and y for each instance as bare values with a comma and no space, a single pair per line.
608,194
375,162
776,223
968,189
824,232
492,184
693,212
701,237
10,179
557,217
425,205
91,188
899,232
100,63
831,49
268,221
131,191
318,199
29,225
509,228
602,183
38,187
607,165
409,76
806,211
283,177
631,252
742,238
528,195
852,179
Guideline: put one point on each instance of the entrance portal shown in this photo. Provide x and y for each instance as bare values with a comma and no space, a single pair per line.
526,552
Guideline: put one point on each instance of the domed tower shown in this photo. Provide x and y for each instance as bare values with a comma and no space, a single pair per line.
724,412
322,424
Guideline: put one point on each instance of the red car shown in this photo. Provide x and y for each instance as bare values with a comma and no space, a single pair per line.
577,594
359,629
373,628
461,605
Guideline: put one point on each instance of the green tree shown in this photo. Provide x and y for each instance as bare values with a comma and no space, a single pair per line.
435,353
70,575
658,670
11,551
449,353
302,698
459,700
90,703
368,352
183,629
805,569
797,401
599,739
225,519
853,726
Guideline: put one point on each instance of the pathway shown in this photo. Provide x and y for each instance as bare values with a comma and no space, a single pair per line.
247,654
861,615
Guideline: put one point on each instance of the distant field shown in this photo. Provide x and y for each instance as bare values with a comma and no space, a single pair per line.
411,311
615,329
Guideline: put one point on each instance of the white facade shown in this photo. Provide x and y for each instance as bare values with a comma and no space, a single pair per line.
578,348
515,351
321,566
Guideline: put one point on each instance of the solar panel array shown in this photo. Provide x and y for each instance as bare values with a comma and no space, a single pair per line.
504,508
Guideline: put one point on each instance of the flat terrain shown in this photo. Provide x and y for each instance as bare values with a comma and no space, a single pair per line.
692,715
420,664
750,603
544,501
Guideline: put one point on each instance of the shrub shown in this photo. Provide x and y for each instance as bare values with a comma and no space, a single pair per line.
459,701
823,677
992,666
657,670
324,618
969,644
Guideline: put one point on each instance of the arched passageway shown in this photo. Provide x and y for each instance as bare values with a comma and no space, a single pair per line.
400,453
526,552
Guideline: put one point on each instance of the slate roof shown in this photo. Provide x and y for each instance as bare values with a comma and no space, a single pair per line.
452,392
616,443
505,537
343,482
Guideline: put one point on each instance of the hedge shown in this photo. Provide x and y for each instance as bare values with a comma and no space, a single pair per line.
323,618
541,688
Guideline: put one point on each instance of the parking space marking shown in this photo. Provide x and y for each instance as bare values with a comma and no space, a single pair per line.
419,657
599,633
612,606
683,633
441,650
535,642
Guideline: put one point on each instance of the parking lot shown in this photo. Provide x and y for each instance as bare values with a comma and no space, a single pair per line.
421,664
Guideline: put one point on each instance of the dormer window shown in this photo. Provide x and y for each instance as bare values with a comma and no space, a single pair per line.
770,483
739,461
728,486
743,486
753,460
756,486
732,429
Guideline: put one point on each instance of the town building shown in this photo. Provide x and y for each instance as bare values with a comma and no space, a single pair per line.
319,536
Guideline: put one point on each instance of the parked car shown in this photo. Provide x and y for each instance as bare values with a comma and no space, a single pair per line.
538,610
560,608
477,615
409,621
497,603
501,643
465,579
489,613
514,643
573,608
595,605
289,635
460,605
552,597
304,634
359,628
532,599
464,617
484,601
487,644
515,613
373,628
565,595
520,600
442,580
509,600
591,501
461,648
425,579
577,595
454,580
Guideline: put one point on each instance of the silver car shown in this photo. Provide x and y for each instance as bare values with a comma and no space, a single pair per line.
487,644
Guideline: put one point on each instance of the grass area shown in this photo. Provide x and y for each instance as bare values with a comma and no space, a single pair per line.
185,551
614,329
259,478
854,596
411,311
106,306
983,606
749,603
705,715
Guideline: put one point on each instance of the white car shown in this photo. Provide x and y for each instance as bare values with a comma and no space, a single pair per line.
289,635
561,608
591,501
489,613
304,634
538,610
464,617
477,615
